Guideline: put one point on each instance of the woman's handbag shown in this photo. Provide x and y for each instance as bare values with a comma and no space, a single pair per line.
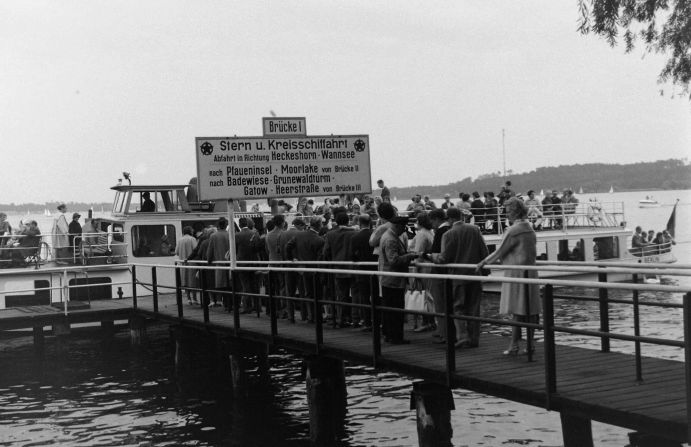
415,297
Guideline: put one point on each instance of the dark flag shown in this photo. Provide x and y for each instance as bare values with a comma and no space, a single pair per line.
672,222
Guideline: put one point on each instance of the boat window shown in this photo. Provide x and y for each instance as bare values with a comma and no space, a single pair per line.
119,202
541,251
606,247
571,250
153,240
491,248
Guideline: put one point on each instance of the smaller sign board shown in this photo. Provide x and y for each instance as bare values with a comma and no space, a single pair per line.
282,127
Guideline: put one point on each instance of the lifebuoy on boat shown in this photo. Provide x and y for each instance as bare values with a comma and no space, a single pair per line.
594,211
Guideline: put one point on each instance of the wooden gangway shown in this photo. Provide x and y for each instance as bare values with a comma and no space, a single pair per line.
642,393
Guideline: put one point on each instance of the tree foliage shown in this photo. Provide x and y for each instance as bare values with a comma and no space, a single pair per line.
664,26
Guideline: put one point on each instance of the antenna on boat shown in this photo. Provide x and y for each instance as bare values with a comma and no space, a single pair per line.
503,150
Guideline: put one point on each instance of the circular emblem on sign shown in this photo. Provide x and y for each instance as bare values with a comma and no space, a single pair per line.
207,148
359,145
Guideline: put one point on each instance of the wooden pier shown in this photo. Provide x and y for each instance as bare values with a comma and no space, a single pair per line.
645,394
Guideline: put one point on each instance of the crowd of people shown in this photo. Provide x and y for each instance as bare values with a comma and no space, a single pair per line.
489,212
651,243
19,246
334,234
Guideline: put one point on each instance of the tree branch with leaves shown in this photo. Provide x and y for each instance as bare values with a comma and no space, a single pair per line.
663,26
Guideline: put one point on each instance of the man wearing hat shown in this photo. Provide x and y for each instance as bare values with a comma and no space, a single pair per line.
61,243
463,244
75,232
394,258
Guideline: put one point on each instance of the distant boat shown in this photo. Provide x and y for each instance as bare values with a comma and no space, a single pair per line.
580,190
611,189
542,192
648,202
46,212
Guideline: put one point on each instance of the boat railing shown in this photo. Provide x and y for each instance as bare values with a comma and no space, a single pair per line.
20,250
652,249
591,214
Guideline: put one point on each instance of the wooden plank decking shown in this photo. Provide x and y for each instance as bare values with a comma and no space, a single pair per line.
595,385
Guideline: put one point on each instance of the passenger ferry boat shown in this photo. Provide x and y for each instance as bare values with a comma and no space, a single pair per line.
127,235
588,232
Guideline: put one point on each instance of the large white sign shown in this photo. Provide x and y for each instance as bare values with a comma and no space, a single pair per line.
261,167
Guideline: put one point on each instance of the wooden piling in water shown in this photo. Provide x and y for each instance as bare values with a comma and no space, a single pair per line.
137,330
39,339
576,430
184,344
638,439
432,403
326,398
107,328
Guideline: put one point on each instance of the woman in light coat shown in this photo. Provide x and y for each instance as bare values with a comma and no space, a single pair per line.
517,248
184,250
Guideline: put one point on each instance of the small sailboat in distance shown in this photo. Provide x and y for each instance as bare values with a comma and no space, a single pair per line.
46,212
611,189
580,190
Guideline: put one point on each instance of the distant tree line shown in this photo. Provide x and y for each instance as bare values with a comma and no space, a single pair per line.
591,177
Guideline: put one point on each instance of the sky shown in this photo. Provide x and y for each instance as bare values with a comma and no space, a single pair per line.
94,88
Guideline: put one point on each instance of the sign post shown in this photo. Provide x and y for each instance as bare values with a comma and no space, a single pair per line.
231,235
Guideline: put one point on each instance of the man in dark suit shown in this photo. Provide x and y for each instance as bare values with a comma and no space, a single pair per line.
247,246
477,207
436,286
291,279
366,286
337,248
463,244
307,246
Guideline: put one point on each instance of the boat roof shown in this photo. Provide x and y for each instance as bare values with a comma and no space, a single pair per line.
148,187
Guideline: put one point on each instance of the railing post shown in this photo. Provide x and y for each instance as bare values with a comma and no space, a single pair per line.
134,286
318,316
604,312
178,291
687,360
450,332
376,323
271,305
235,301
637,332
154,285
529,333
550,351
204,298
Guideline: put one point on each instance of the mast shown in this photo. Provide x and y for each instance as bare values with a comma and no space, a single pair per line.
503,151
